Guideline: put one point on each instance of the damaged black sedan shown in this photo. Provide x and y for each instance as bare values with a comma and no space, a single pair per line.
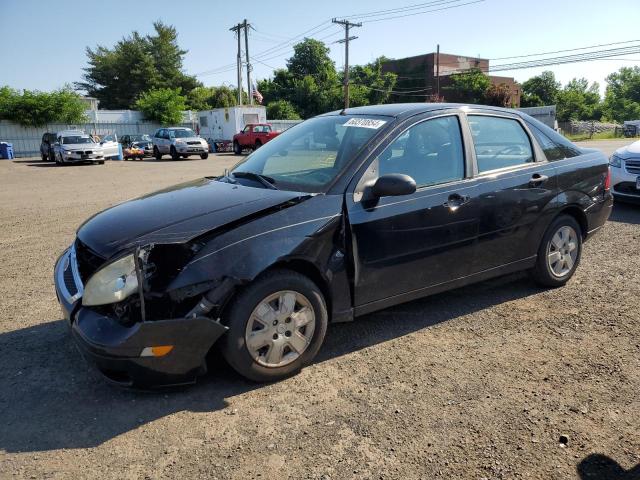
344,214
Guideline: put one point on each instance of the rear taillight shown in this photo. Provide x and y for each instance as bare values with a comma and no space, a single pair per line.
607,180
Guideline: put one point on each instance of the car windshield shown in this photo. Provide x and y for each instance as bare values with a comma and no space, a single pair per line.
309,156
140,138
76,139
182,133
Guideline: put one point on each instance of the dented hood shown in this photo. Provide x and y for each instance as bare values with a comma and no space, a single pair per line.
177,214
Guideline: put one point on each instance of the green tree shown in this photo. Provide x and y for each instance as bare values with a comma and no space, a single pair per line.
468,87
7,98
540,90
579,101
498,95
369,85
206,98
163,105
282,110
35,109
622,96
117,76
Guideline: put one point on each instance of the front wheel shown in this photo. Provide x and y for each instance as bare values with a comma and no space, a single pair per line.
276,326
204,156
257,145
157,154
174,154
237,149
559,252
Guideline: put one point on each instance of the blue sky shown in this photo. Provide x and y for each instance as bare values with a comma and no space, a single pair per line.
43,43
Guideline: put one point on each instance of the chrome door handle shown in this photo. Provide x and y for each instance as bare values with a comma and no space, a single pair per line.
456,200
537,179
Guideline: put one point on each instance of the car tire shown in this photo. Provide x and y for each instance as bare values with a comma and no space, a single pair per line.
58,160
260,363
559,252
100,162
204,156
257,145
174,154
237,149
157,154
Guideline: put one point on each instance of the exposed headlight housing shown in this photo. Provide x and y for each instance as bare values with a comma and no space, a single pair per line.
615,161
112,284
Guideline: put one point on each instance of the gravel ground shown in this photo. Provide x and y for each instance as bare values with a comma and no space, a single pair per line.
496,380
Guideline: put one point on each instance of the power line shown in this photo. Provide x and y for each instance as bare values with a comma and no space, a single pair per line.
567,50
406,8
423,12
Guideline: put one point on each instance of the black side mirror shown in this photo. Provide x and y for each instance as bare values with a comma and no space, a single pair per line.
393,184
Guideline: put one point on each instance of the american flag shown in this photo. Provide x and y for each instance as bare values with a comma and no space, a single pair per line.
256,94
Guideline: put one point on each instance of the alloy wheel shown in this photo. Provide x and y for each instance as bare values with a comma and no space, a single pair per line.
280,328
562,251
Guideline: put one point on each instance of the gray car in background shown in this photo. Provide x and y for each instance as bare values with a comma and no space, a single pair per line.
179,142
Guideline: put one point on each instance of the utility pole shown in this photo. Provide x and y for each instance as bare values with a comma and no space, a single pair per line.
438,72
246,26
236,29
347,25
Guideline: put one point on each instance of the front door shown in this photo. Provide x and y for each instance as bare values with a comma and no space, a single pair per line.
109,145
407,244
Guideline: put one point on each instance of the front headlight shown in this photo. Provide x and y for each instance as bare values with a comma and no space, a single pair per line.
180,142
67,152
615,161
112,284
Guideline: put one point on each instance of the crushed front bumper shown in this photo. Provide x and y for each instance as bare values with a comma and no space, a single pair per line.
116,349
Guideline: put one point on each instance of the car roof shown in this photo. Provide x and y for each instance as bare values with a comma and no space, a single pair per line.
71,132
177,128
409,109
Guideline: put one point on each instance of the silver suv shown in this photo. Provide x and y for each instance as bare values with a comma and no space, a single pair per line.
178,142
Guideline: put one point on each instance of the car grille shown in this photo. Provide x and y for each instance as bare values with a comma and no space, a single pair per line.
88,260
69,282
193,143
633,166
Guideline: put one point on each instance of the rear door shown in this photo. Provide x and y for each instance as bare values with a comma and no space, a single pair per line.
516,187
404,245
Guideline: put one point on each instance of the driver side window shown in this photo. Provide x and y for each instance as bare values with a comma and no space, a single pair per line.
430,152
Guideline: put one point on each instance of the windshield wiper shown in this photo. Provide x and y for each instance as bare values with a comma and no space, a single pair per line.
263,179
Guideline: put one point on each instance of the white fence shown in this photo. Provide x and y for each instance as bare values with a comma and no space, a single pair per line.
26,140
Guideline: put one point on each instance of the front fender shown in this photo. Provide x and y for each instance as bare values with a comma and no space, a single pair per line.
310,232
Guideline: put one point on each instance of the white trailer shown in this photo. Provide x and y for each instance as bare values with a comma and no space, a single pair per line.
219,125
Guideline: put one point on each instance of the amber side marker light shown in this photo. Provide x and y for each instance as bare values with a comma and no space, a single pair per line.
157,351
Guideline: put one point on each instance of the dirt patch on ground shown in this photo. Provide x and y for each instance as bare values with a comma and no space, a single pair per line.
497,380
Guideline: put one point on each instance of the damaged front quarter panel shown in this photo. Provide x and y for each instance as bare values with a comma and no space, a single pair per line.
288,237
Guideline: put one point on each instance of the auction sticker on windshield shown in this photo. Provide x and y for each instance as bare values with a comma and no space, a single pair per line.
365,123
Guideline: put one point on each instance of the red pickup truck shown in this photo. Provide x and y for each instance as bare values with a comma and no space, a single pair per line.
253,136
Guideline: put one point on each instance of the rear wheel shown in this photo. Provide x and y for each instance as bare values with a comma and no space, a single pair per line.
174,154
559,252
237,149
276,326
157,154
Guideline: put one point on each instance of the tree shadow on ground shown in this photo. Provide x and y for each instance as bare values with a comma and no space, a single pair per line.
601,467
51,399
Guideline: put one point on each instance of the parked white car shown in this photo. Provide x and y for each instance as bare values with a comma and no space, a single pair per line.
110,148
625,172
75,146
178,142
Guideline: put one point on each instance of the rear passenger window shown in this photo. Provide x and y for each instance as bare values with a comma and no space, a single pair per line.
429,152
499,142
554,149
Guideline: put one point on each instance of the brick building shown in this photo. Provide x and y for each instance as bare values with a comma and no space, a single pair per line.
418,77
